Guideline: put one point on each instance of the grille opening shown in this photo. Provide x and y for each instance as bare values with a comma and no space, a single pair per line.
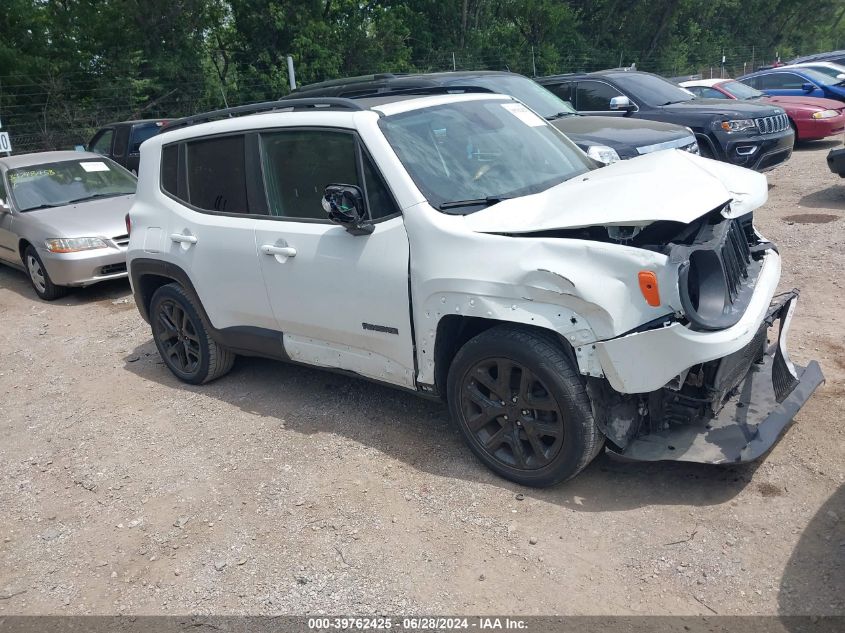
113,269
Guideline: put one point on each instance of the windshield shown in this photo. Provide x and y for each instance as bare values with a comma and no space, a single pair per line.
477,150
741,91
57,184
529,92
815,76
651,90
831,72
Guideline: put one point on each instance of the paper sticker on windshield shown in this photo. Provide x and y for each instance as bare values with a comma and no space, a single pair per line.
523,114
95,166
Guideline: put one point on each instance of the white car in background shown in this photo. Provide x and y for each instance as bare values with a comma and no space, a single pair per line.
460,246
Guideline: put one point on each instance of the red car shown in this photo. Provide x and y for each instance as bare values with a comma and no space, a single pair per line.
812,118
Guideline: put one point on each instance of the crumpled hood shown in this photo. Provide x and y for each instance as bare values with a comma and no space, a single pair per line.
105,217
669,185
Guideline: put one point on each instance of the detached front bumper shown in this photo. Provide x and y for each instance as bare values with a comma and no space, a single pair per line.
85,267
753,418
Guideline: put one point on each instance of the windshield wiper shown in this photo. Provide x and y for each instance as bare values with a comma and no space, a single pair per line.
97,195
40,206
476,202
674,102
560,115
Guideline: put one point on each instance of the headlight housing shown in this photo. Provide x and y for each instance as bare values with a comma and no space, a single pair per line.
603,154
738,125
74,244
825,114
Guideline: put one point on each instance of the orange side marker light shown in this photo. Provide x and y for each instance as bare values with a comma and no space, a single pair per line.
648,286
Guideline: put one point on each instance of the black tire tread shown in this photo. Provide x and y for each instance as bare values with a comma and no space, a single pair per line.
220,359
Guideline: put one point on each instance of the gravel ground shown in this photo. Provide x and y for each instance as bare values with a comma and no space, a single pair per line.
280,489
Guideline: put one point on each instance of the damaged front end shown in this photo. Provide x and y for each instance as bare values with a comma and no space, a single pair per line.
732,405
729,410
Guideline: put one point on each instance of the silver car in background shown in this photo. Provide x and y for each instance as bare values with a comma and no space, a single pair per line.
62,218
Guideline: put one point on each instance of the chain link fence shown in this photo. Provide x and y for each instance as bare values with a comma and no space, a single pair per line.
47,112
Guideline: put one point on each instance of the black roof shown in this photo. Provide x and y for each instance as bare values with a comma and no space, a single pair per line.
366,84
818,57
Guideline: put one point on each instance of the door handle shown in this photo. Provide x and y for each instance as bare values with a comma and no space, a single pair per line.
183,239
284,251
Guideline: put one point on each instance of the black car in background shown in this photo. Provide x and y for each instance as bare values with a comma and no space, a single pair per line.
837,57
122,141
753,135
606,139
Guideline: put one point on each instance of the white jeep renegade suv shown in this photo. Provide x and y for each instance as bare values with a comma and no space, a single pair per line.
459,246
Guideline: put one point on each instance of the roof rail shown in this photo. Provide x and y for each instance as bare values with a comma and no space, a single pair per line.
264,106
387,91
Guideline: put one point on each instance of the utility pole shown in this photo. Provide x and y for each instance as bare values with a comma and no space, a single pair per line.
533,61
454,65
291,75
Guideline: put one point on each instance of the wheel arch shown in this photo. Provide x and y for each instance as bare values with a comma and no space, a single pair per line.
23,244
148,275
454,331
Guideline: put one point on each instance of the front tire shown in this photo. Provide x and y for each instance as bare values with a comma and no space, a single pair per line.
522,407
182,339
39,278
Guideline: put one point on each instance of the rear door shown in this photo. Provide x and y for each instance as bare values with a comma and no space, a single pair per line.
341,300
212,201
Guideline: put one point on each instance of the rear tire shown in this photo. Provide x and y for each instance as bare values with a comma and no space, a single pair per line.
522,407
182,339
40,279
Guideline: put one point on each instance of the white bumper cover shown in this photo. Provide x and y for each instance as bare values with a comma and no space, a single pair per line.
646,361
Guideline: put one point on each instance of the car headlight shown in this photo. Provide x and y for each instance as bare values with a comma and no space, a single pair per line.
825,114
74,244
603,154
739,125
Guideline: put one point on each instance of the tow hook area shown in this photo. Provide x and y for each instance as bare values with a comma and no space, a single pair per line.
751,400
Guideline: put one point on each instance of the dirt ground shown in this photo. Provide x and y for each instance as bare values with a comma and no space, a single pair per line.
279,489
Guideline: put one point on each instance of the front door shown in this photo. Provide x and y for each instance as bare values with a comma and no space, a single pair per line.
340,300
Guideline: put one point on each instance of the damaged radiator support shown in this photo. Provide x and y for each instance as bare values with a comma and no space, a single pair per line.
725,411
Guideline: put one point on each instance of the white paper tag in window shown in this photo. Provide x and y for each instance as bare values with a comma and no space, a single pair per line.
523,114
95,166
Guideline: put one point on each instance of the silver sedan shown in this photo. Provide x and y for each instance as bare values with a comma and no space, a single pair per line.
62,218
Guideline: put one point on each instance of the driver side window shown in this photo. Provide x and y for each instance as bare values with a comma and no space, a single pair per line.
595,96
298,164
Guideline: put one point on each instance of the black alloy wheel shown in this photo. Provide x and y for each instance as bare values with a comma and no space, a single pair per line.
180,344
512,414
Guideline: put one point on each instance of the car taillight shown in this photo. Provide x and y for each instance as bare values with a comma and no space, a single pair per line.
128,224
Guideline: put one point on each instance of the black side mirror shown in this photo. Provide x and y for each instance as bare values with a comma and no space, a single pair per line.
344,205
808,87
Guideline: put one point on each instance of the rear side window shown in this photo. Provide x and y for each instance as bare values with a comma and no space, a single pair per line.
299,164
216,174
170,169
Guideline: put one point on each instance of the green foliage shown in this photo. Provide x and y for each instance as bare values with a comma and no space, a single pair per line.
68,66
